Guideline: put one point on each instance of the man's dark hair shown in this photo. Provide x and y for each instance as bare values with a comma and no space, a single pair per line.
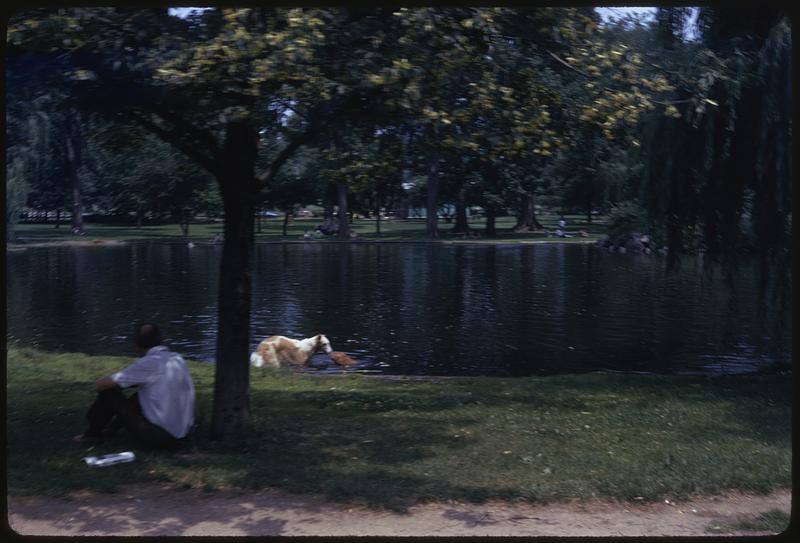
147,335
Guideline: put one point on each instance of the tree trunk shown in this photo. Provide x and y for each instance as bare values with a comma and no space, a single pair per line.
462,224
491,229
402,209
527,220
185,223
258,222
378,220
58,218
432,201
230,421
73,148
286,215
139,217
341,199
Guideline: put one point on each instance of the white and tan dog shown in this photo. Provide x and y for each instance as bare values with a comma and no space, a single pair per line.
277,351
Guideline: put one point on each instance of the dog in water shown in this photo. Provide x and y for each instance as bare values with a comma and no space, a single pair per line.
278,351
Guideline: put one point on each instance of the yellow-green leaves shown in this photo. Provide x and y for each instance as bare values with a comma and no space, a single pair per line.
672,111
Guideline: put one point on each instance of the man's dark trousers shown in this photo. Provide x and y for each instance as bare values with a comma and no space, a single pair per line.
111,402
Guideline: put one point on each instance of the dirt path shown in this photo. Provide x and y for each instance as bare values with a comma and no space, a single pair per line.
153,512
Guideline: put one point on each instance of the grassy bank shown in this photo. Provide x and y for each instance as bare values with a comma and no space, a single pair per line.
390,443
272,230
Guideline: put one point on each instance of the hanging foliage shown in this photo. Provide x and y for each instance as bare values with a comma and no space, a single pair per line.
719,168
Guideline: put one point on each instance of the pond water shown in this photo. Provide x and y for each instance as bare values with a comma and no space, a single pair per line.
503,310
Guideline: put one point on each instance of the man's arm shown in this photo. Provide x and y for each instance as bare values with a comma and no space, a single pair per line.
144,370
104,384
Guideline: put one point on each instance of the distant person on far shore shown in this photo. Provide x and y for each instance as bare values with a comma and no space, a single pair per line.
161,412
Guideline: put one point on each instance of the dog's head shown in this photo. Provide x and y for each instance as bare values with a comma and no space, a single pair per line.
323,343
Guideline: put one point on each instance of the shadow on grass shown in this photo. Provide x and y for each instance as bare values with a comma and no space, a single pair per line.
382,444
374,448
349,446
300,444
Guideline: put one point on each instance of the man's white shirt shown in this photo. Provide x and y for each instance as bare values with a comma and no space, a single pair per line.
166,392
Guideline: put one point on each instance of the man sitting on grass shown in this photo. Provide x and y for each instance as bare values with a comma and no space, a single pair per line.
161,412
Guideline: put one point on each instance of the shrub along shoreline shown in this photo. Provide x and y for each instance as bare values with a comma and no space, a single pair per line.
389,443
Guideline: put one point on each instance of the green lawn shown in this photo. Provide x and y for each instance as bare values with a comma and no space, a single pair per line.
272,230
391,443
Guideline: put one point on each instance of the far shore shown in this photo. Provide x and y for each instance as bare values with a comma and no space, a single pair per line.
578,229
25,244
12,245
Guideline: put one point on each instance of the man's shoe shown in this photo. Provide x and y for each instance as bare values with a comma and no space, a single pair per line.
87,438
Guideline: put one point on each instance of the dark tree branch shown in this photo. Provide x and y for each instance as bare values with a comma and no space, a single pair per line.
196,142
565,63
207,143
321,118
673,102
178,140
266,176
671,72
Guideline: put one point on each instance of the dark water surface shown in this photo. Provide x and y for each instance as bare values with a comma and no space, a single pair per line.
414,309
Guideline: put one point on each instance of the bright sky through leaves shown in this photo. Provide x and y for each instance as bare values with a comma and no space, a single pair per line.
620,12
605,12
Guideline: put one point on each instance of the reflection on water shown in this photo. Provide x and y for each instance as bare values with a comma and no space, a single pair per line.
413,309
